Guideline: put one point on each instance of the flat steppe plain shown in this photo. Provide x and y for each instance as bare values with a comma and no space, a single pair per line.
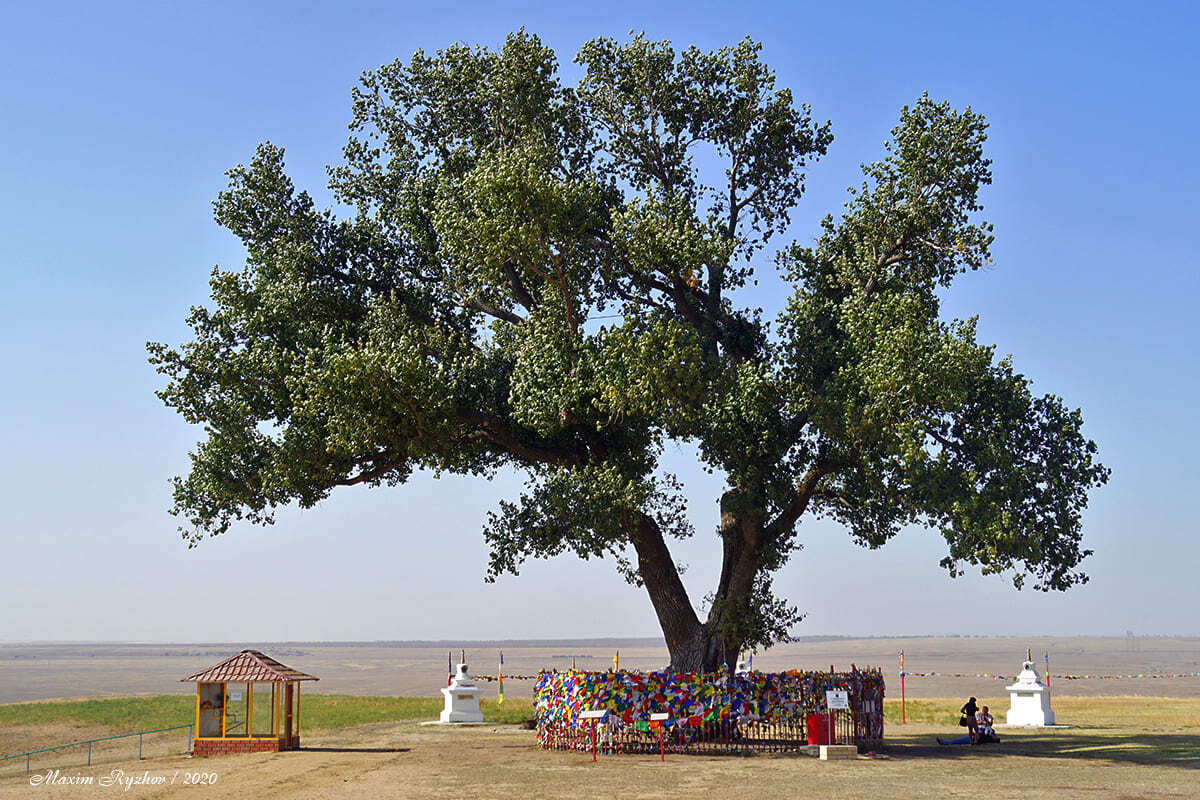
42,671
1113,752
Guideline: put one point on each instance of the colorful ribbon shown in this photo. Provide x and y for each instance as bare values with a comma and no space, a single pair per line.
695,698
1065,677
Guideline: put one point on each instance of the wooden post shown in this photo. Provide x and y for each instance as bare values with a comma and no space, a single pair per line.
289,715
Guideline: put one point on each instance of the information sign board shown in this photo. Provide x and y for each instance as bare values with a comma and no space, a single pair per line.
837,698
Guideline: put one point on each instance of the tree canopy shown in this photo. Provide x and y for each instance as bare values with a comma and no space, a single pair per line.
545,278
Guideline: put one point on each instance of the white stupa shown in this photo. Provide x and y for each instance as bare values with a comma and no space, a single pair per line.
1029,699
462,699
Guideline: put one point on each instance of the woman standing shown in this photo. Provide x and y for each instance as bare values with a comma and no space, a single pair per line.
968,711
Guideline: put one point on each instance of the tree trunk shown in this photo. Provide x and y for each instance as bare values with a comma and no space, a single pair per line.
680,625
715,644
740,535
701,652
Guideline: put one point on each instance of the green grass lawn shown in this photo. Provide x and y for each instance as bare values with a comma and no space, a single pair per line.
330,711
1145,713
317,711
1154,728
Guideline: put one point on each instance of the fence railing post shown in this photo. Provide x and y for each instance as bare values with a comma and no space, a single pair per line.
141,745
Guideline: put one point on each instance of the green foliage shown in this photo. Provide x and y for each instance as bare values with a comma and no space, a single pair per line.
543,278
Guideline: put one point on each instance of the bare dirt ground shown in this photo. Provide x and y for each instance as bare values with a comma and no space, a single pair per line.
404,760
38,671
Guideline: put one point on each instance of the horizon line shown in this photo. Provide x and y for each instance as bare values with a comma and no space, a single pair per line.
632,640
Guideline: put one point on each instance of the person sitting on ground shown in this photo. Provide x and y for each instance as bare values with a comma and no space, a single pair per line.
959,740
967,720
985,724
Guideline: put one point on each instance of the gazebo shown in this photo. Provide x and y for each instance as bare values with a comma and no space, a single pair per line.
249,703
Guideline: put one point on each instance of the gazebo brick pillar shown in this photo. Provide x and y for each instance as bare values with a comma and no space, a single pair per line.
222,747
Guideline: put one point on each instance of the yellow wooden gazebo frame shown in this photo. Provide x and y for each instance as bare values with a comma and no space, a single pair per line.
226,705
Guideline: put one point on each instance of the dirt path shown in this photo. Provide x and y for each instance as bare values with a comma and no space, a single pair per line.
403,760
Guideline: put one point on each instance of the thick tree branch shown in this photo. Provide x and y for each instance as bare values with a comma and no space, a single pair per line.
638,299
522,444
492,311
890,256
679,291
949,444
520,293
799,504
375,472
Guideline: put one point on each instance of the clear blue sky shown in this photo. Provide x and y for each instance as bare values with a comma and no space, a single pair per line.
117,122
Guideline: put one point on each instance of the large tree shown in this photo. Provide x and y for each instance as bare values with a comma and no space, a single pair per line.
545,278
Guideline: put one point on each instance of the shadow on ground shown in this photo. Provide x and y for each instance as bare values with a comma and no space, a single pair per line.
1180,750
354,749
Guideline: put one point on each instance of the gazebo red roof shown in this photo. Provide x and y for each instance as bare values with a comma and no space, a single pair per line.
248,665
